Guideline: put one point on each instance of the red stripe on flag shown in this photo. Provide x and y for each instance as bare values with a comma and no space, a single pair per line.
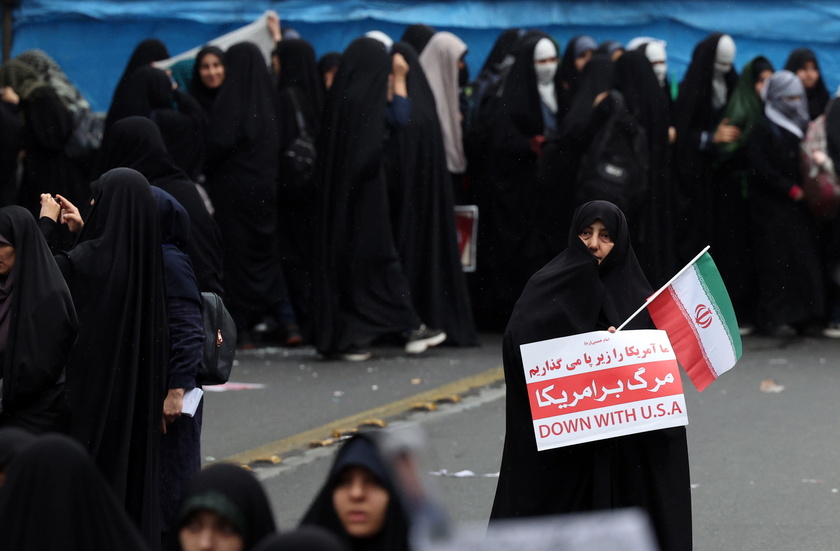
669,314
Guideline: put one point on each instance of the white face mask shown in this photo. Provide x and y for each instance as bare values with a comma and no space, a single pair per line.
661,71
724,55
545,72
655,53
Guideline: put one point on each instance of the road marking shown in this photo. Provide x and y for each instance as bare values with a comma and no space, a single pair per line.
265,471
302,439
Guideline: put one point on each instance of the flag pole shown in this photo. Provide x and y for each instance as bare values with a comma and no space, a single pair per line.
659,292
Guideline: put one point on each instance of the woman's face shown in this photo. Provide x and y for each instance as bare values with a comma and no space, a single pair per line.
762,78
597,239
360,502
211,71
209,531
7,259
808,74
581,61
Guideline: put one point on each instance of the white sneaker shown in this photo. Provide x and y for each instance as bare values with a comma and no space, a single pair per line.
832,331
421,339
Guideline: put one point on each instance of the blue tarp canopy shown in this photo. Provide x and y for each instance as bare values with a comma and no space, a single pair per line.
93,39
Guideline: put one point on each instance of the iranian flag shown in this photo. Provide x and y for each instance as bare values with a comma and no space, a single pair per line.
695,310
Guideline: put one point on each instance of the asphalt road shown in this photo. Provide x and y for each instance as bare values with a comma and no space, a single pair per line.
763,439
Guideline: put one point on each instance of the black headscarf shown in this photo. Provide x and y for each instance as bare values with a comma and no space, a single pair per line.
245,107
42,329
204,95
146,90
55,498
146,53
574,294
175,232
299,71
116,371
647,103
361,451
568,74
417,36
818,95
521,98
596,77
328,62
235,494
422,207
356,299
305,538
136,142
503,46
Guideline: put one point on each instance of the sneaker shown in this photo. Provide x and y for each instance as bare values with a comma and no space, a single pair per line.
421,339
293,336
832,331
354,354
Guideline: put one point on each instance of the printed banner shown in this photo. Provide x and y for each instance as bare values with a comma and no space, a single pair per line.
602,385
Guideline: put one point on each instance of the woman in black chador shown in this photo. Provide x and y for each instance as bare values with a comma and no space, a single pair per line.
422,206
361,291
301,105
708,83
594,284
525,117
56,499
147,52
785,236
803,62
649,106
117,368
242,156
37,327
136,142
359,479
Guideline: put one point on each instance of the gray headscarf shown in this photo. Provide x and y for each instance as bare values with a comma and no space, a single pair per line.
50,72
790,114
440,63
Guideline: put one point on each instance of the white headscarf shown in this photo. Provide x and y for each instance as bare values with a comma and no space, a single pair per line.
382,37
545,49
655,52
724,57
790,114
439,61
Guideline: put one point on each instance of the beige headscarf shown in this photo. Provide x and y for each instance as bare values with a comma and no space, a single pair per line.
440,63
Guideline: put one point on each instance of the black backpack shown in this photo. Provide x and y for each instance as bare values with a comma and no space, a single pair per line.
615,166
219,341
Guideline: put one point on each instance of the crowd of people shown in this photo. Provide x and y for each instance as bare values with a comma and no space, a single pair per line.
318,198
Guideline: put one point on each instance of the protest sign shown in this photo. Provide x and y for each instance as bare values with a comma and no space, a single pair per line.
602,385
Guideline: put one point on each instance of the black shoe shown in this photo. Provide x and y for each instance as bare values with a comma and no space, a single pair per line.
421,339
293,335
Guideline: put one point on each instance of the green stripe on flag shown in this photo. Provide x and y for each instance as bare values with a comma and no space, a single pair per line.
714,288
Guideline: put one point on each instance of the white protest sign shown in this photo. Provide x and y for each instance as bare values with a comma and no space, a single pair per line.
602,385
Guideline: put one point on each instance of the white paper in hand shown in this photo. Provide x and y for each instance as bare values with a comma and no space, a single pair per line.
191,400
